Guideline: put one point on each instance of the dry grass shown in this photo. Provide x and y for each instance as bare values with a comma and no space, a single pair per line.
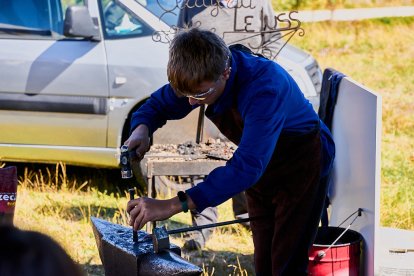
56,203
51,203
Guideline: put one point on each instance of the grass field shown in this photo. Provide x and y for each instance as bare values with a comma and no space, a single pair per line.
379,54
58,200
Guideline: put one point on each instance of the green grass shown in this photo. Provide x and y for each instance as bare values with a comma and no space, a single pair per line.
58,200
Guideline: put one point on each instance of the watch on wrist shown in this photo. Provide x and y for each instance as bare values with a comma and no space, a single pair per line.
182,196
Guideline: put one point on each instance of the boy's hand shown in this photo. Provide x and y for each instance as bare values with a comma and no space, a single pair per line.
144,209
139,141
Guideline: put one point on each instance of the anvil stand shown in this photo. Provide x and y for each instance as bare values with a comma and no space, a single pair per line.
177,165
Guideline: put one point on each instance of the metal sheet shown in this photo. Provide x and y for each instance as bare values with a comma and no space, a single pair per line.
356,130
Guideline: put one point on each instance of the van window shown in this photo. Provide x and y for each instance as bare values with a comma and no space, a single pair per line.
43,18
119,22
166,10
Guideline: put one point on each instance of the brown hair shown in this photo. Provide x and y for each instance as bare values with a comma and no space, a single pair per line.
196,55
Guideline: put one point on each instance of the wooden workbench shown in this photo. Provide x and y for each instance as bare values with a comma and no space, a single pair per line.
176,165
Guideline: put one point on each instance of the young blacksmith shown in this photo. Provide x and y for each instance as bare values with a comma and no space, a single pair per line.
250,23
283,147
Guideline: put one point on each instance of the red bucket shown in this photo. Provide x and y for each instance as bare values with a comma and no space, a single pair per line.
342,258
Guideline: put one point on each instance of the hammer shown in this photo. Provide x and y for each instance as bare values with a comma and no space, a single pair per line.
161,240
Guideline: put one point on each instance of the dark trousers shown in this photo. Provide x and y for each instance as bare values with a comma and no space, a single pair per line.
289,197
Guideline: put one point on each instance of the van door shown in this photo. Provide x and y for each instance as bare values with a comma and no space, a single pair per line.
137,54
53,90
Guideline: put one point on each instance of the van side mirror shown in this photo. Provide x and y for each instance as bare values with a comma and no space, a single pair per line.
78,23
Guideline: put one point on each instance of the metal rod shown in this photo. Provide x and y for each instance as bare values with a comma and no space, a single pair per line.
200,125
134,232
199,227
400,250
322,253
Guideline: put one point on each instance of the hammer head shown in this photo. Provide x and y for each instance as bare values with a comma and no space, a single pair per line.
126,170
160,239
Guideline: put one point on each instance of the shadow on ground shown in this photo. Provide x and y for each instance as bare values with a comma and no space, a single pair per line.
221,262
213,263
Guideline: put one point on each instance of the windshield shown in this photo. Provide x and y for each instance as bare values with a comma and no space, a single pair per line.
120,22
166,10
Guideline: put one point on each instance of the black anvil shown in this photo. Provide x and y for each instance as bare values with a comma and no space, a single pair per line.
121,256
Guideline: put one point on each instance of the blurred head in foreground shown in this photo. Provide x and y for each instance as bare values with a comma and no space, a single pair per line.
29,253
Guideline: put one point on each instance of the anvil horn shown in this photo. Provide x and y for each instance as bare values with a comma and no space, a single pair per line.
121,256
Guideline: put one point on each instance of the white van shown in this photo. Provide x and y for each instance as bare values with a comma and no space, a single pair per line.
71,75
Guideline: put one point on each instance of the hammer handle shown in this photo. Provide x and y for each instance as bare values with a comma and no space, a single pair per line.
199,227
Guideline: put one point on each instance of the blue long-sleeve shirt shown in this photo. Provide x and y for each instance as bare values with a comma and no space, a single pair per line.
269,102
